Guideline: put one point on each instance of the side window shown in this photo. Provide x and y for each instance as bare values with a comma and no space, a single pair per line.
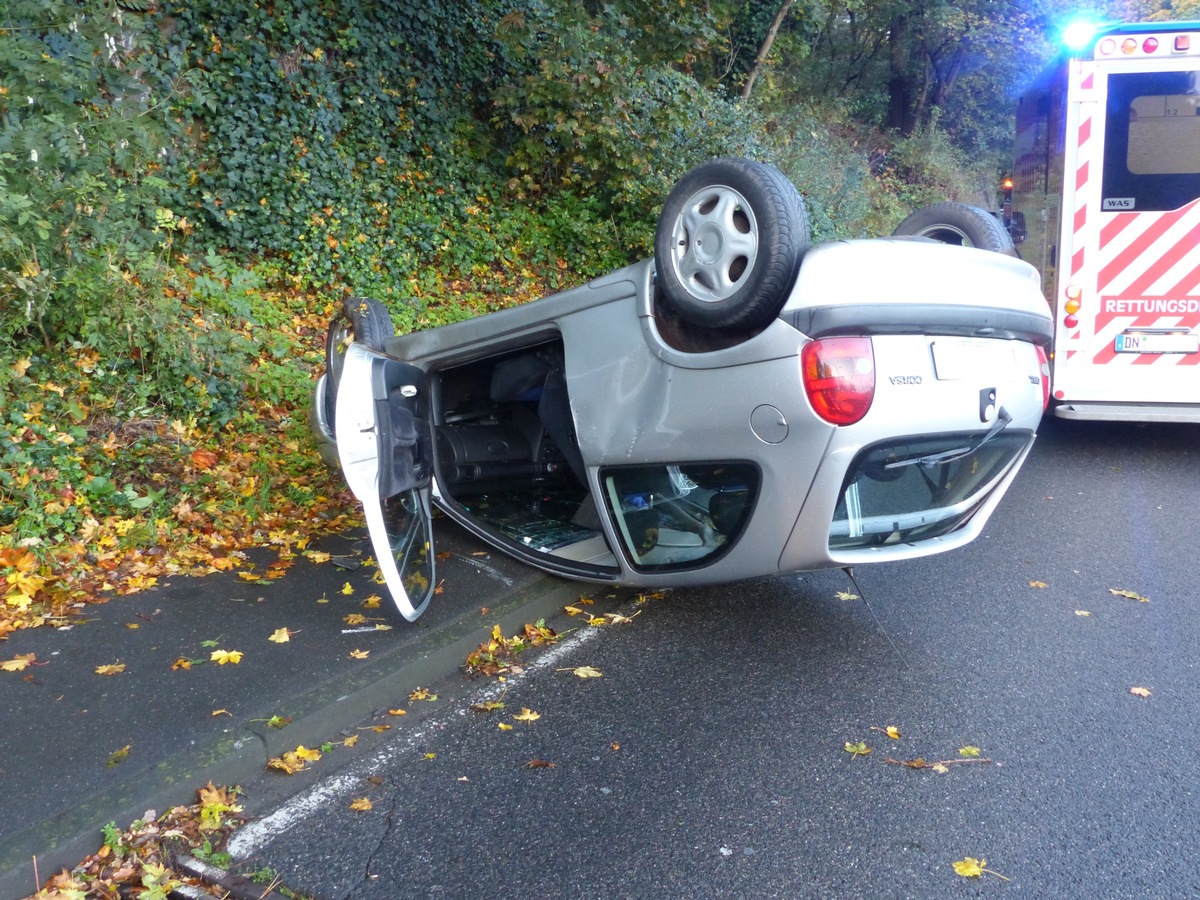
681,516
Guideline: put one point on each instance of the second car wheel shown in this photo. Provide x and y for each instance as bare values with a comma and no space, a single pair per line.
362,320
958,223
729,243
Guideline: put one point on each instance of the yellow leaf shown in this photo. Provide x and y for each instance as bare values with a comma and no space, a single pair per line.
1082,612
587,672
221,712
21,366
618,619
893,732
527,715
280,636
113,669
422,694
18,663
355,619
362,804
940,768
968,750
504,726
347,589
572,610
317,556
397,712
1130,595
846,595
969,867
350,741
359,654
305,753
118,756
221,657
597,621
372,602
288,763
431,756
1140,691
857,749
1038,584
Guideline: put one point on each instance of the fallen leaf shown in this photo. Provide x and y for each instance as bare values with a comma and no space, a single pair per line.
18,663
968,750
372,602
487,707
540,764
317,556
118,756
587,672
347,589
969,867
503,726
1038,584
572,610
422,694
288,763
857,749
1130,595
359,654
221,712
182,663
527,715
431,756
112,669
1082,612
355,619
618,619
362,804
1140,691
281,636
615,745
846,595
221,657
204,459
305,753
597,621
940,768
397,712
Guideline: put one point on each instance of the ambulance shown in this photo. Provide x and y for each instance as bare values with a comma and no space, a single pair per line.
1106,204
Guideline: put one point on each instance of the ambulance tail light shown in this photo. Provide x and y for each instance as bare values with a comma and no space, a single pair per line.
1072,305
839,378
1044,371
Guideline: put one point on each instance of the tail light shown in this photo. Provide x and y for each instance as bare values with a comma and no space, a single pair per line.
839,378
1044,371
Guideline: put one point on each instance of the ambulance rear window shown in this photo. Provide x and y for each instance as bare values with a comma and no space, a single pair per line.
1152,141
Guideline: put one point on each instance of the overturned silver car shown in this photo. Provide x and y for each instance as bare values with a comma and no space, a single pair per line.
741,405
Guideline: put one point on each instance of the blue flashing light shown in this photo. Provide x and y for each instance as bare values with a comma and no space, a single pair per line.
1079,34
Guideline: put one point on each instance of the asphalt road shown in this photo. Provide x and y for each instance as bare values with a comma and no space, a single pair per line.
710,758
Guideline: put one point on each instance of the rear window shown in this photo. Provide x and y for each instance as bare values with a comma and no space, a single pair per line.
915,490
1152,141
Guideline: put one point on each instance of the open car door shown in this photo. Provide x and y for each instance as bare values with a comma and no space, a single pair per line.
384,448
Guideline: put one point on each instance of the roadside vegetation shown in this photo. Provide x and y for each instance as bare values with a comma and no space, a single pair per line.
188,190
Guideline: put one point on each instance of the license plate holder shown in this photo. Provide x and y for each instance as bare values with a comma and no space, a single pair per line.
959,359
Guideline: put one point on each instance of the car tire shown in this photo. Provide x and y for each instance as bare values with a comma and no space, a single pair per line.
959,224
729,244
361,320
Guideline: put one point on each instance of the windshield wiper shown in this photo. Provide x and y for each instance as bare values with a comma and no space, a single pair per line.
948,456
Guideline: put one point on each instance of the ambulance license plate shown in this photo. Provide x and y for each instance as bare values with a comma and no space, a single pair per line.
1157,342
